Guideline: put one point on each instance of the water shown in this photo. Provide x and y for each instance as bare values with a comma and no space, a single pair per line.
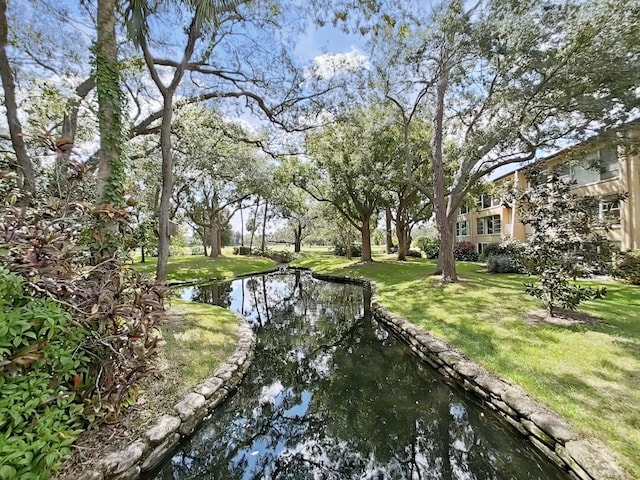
333,395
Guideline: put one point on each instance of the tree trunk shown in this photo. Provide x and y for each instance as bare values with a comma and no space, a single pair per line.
366,240
297,233
388,230
215,227
264,226
164,240
241,227
447,263
144,258
26,175
402,240
253,231
110,166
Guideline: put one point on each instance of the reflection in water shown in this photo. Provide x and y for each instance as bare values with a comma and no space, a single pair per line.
332,395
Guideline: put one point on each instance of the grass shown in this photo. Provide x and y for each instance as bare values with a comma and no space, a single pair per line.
588,373
198,267
192,328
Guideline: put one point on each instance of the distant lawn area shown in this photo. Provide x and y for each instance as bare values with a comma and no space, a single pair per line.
588,373
198,267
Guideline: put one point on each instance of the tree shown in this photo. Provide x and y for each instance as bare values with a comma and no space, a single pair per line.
567,241
24,165
502,81
292,203
110,181
216,172
348,171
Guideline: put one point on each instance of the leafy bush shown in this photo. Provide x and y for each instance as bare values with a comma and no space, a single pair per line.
414,253
197,250
341,251
503,264
280,256
241,251
120,307
627,267
489,250
465,252
429,245
42,363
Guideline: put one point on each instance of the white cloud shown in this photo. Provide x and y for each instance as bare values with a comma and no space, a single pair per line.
329,65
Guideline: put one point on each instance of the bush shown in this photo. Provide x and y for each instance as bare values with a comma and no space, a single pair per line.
465,252
627,267
241,251
489,250
414,253
41,365
197,250
280,256
341,251
429,245
503,264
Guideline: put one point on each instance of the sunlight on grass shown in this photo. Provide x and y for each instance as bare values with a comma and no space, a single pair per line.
589,373
197,338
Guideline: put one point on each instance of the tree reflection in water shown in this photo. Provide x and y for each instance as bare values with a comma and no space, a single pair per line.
332,395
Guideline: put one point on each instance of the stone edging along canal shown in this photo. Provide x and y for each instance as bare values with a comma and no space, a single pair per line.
148,451
582,458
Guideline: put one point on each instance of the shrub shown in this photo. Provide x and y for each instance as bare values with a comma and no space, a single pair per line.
429,245
465,251
280,256
241,251
489,250
42,363
414,253
503,264
340,250
627,267
197,250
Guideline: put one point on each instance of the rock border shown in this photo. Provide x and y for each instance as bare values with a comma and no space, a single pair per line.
582,458
156,443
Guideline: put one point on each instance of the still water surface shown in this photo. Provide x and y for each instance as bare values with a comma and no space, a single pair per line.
331,394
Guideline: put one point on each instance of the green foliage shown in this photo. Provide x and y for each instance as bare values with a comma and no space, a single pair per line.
41,365
120,308
566,242
465,252
340,250
627,267
280,256
489,250
241,251
414,253
501,263
429,245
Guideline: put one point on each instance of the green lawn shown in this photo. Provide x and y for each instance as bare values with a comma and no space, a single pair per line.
588,373
198,267
190,330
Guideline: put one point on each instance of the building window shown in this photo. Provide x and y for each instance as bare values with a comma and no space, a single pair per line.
608,163
489,225
485,200
462,228
609,211
464,208
481,247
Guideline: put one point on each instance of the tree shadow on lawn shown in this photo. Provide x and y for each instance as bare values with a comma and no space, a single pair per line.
602,407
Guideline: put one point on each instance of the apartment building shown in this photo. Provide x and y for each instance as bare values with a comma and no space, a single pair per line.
600,168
